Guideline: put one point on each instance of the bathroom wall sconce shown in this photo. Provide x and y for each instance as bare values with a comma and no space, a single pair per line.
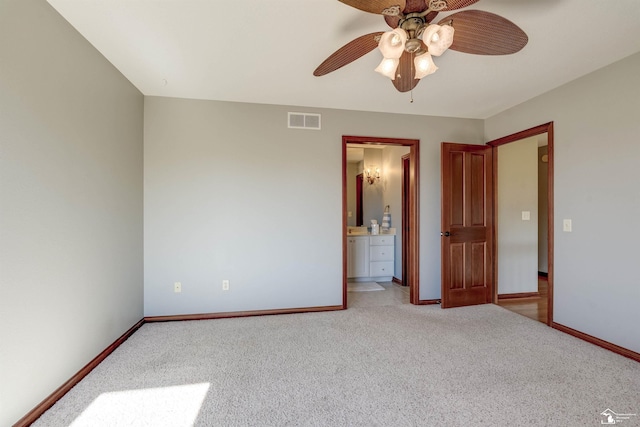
372,174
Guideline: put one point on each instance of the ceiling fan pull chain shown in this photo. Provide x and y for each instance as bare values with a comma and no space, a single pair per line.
412,74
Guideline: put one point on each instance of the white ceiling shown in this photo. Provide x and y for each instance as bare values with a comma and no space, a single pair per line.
265,51
355,154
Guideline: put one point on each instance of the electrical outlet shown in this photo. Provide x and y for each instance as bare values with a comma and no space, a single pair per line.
225,285
177,287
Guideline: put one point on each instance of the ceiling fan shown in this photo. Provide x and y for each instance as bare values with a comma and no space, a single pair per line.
408,49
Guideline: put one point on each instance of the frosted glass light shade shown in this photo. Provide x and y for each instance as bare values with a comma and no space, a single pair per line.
388,67
424,65
392,43
438,38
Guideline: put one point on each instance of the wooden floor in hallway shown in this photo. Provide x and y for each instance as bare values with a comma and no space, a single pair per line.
533,307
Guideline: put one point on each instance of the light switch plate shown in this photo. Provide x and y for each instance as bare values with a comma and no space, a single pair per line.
566,225
526,215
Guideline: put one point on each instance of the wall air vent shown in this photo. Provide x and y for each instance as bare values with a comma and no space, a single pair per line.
304,121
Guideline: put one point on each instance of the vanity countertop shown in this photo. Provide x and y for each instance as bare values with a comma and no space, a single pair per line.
362,231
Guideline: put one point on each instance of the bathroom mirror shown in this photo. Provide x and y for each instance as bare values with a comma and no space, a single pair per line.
364,193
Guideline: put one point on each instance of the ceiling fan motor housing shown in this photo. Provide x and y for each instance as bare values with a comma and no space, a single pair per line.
413,45
414,24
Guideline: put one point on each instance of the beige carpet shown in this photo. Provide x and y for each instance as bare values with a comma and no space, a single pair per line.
400,365
363,287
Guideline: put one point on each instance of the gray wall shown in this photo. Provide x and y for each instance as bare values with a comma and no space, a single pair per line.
70,204
223,200
518,238
392,196
597,285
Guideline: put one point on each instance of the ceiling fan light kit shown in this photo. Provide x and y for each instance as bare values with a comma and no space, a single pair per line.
424,65
409,47
392,43
436,38
388,67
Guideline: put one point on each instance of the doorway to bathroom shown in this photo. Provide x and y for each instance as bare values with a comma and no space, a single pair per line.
404,213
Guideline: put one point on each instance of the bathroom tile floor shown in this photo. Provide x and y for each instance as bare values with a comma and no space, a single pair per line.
393,294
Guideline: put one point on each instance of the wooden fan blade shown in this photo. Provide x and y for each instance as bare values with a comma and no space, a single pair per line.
458,4
485,33
404,80
430,16
392,21
374,6
348,53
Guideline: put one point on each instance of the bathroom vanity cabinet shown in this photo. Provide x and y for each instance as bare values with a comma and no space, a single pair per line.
381,257
357,256
371,257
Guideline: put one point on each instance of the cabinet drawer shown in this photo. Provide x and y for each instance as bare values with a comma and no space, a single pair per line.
381,268
382,240
381,253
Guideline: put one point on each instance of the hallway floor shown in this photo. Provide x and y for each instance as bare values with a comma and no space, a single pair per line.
535,307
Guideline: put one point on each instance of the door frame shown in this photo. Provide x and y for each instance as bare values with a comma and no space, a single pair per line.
537,130
414,203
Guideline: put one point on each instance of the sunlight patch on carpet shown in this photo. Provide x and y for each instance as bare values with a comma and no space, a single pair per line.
174,406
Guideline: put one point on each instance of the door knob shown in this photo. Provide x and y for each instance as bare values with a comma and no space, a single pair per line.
445,234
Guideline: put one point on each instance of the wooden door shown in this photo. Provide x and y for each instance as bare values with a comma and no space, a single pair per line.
467,225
